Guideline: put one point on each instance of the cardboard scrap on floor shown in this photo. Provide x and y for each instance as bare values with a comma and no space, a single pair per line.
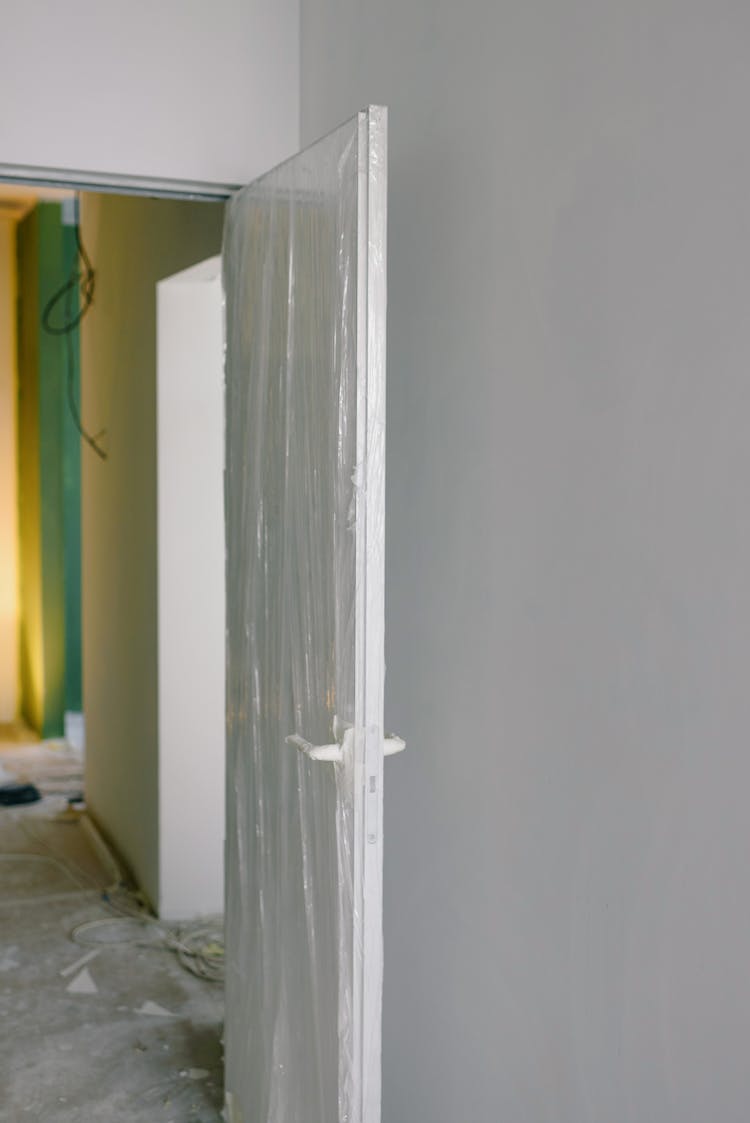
83,983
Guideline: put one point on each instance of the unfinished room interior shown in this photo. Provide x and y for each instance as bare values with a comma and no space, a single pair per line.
224,229
99,554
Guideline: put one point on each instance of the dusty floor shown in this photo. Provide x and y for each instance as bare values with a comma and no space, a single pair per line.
129,1036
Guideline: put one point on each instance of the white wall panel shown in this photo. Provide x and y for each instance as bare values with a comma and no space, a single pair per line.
190,535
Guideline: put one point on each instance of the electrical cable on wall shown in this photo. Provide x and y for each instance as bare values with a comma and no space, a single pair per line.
79,287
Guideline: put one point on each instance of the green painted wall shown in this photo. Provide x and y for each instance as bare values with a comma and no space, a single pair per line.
49,482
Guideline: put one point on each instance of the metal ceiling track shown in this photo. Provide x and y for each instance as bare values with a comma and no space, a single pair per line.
115,184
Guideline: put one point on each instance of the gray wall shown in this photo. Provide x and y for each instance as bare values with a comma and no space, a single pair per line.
132,243
568,627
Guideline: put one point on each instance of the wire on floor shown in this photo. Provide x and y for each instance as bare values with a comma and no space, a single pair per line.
12,856
199,947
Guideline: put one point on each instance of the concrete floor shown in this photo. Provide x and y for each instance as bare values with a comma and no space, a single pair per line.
128,1037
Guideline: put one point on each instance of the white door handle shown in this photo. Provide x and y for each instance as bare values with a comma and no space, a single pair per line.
344,734
393,745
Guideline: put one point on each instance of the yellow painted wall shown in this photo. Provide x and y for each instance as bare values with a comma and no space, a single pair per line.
133,243
8,478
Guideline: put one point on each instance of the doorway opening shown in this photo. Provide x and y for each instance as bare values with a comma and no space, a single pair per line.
95,401
305,262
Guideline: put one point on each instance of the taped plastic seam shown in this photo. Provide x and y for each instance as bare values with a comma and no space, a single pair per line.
304,275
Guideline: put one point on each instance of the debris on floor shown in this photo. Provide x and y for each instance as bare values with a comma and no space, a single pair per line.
73,967
83,984
109,1027
12,795
154,1010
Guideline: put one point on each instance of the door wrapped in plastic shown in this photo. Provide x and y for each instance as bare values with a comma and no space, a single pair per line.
304,271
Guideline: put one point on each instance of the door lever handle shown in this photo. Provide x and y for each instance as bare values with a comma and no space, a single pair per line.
344,734
393,744
333,753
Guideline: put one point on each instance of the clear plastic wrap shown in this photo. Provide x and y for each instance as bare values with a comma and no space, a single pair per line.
304,274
